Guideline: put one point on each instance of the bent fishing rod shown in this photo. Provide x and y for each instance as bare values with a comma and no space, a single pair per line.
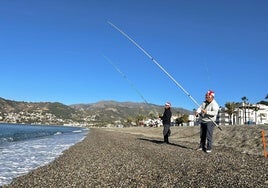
159,66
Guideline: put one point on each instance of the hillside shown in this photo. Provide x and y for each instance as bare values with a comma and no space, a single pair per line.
97,114
112,110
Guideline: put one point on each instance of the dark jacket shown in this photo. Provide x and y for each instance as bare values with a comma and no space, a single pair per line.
166,118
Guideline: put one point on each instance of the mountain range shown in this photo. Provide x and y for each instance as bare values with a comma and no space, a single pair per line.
102,112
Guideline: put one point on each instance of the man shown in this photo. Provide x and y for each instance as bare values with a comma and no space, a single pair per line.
166,119
207,112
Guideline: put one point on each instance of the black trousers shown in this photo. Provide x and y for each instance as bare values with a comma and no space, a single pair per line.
166,132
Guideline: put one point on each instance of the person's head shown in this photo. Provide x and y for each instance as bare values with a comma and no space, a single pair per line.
210,96
167,105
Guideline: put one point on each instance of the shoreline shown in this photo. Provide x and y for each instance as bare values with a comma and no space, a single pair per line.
137,157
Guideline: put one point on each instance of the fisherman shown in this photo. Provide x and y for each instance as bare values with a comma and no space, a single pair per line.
207,113
166,119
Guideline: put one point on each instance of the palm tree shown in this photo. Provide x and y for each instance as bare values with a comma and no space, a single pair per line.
230,110
244,99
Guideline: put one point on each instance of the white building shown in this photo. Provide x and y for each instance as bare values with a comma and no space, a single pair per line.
262,114
245,114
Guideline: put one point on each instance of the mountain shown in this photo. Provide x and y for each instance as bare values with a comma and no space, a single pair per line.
100,113
58,109
108,111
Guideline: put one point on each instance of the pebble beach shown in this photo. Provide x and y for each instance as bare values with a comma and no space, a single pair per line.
137,157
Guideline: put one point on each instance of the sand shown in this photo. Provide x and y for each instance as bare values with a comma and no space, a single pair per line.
137,157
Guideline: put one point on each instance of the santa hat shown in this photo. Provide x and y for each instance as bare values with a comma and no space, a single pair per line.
168,104
211,93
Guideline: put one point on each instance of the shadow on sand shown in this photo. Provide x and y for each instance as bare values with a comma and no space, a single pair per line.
161,142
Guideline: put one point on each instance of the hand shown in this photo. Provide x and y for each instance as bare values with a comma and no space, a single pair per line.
203,111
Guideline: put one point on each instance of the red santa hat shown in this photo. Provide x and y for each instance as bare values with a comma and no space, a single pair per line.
211,93
168,104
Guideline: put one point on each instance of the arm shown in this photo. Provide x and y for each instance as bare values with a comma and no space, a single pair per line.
212,109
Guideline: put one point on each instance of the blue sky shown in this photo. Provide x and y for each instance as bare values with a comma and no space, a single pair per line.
57,50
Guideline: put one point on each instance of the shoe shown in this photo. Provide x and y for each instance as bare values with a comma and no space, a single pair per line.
200,149
209,151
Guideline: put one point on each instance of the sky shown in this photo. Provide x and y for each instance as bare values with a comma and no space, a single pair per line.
66,51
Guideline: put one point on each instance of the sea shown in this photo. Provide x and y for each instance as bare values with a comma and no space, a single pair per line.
24,147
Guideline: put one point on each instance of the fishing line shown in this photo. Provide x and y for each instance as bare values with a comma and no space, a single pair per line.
206,68
124,76
131,84
150,57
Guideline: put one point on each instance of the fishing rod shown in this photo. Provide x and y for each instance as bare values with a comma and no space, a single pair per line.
124,76
154,60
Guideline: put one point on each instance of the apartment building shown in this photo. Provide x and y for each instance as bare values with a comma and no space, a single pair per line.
244,114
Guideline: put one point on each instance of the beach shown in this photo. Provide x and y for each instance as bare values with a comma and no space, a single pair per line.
137,157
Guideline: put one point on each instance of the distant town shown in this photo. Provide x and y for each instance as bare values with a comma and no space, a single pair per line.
116,114
35,118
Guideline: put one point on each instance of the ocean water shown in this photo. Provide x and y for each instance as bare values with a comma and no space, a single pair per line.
26,147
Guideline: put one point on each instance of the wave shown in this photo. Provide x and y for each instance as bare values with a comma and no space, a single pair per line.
18,132
77,131
18,158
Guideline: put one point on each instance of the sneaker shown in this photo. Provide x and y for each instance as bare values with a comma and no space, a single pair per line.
208,151
200,149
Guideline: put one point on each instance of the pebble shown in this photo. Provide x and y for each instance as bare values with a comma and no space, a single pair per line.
115,159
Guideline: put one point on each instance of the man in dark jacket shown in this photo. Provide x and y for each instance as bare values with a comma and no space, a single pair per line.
166,119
